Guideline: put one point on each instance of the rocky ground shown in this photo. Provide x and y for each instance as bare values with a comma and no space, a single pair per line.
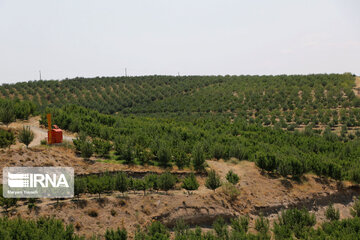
259,194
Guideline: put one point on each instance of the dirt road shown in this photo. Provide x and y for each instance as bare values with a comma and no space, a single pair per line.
39,132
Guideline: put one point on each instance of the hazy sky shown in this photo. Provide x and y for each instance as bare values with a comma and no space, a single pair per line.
69,38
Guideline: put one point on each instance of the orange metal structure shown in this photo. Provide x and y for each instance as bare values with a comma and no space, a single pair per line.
54,135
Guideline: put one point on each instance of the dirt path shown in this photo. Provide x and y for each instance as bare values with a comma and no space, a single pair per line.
39,132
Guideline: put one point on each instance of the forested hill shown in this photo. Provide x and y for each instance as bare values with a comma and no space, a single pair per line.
189,94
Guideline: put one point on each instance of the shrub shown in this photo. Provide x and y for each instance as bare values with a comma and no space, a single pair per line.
332,214
294,221
230,191
266,161
93,213
79,186
198,157
152,181
7,203
113,212
121,182
232,177
26,136
166,181
213,180
155,231
86,149
164,155
102,147
190,183
7,138
355,210
119,234
240,224
220,228
262,225
7,114
181,160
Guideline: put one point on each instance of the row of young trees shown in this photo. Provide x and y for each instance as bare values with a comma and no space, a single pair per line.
122,183
7,137
10,110
151,182
270,99
185,141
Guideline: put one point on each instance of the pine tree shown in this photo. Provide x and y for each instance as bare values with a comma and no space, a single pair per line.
198,158
87,149
190,183
7,114
232,177
213,180
26,136
166,181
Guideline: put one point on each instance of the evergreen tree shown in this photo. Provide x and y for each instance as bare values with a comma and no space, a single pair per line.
190,183
164,156
213,180
166,181
119,234
26,136
7,138
87,149
198,158
7,114
232,177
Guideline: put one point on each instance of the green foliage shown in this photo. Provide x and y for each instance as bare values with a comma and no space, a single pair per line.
7,114
87,149
262,225
166,181
7,138
240,224
42,228
102,147
220,228
198,157
274,150
332,214
232,177
79,186
152,181
181,159
155,231
213,180
164,155
6,203
294,222
190,183
355,210
121,182
119,234
26,136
